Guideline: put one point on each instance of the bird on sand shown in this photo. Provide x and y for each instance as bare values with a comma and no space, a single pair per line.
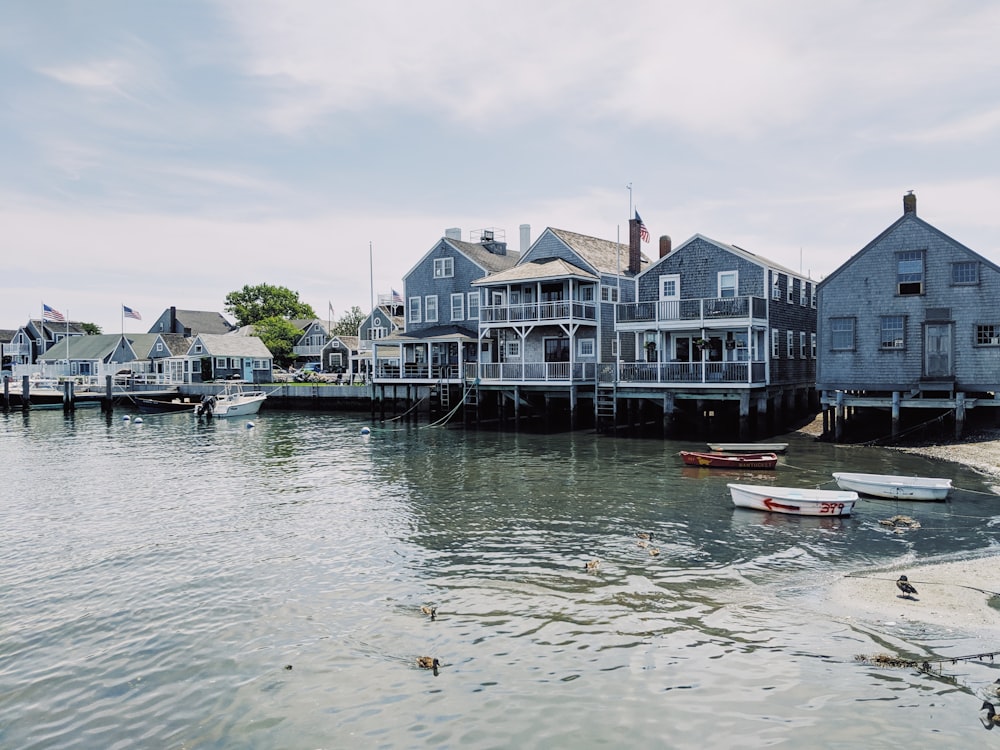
427,662
988,715
592,565
432,611
906,587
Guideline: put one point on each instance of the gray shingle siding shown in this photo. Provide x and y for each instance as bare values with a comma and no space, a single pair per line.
865,289
420,282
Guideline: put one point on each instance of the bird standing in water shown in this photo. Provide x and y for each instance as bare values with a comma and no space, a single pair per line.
988,715
906,587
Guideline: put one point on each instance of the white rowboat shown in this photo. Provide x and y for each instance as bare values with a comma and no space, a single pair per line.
794,501
894,487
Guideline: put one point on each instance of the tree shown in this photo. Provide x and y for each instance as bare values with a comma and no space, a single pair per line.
91,329
279,336
348,323
253,304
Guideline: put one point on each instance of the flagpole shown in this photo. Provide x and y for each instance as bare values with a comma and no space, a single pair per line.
629,188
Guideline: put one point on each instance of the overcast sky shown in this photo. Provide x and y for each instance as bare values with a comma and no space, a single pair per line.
167,153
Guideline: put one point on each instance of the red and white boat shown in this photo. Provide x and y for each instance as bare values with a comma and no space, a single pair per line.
730,460
794,501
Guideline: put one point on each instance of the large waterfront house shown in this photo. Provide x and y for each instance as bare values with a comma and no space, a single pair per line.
37,337
715,331
442,311
547,323
221,357
88,356
910,322
190,322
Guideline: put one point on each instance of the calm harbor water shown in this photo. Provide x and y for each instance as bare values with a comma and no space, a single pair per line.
160,578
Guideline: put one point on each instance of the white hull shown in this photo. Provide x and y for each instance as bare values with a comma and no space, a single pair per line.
232,402
793,500
894,487
246,406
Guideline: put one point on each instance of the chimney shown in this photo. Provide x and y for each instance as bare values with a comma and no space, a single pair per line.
173,319
525,237
665,245
634,254
910,203
454,233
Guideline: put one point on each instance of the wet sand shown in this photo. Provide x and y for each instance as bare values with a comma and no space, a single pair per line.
951,594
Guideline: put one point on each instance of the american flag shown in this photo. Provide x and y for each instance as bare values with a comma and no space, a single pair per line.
397,298
50,313
643,232
130,313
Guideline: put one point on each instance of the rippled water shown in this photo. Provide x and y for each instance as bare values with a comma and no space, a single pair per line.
159,578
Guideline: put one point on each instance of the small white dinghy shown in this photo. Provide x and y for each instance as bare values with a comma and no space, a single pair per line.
794,501
894,487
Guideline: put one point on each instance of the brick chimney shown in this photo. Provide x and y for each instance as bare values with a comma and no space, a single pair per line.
634,254
665,245
910,203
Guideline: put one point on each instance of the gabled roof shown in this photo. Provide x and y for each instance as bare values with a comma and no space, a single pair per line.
200,321
220,345
604,256
489,262
303,323
142,343
443,332
556,268
6,335
51,329
177,344
758,260
907,217
349,342
83,347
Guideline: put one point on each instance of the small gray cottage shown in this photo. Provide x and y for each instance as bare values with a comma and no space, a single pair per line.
912,321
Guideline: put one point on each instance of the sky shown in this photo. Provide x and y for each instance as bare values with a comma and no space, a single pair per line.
159,154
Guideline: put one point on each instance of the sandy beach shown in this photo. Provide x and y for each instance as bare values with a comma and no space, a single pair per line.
951,594
954,594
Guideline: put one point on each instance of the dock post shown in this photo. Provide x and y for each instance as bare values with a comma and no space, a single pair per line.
895,414
668,414
744,415
108,401
67,395
838,430
25,392
572,407
6,392
959,414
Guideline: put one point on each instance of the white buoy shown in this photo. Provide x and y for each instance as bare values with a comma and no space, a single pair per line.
126,418
137,420
366,431
250,425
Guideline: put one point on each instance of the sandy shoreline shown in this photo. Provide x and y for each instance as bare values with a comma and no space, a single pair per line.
947,591
949,594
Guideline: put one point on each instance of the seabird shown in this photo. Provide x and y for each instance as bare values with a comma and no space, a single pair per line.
988,715
906,587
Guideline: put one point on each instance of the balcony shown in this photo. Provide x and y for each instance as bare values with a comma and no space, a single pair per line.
414,371
706,312
682,374
555,373
538,312
308,350
16,350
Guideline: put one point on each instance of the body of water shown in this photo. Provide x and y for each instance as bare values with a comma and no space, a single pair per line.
182,584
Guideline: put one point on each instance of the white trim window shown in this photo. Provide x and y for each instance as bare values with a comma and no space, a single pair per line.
609,294
513,349
893,329
790,298
842,334
585,347
473,305
775,344
458,306
775,286
431,308
670,287
789,343
812,344
444,268
728,283
802,344
413,313
803,296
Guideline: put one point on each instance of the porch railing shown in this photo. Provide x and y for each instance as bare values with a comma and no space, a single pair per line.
706,309
681,373
532,372
538,311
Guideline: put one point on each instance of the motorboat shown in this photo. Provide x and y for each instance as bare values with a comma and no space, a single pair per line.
730,460
749,447
795,501
893,486
233,401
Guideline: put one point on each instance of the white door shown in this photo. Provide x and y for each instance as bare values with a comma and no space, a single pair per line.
937,350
